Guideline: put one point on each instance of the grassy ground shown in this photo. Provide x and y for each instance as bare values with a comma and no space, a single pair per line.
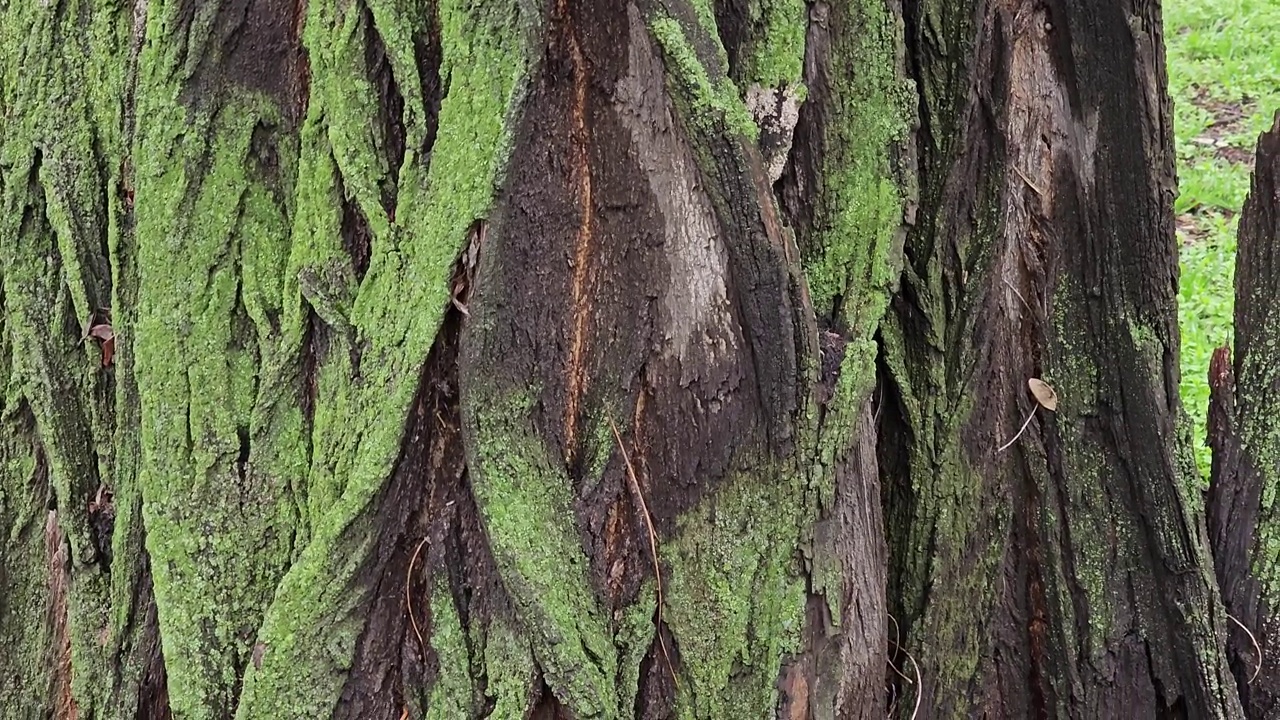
1224,75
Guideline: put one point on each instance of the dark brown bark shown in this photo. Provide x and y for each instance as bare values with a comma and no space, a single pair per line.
1064,574
1243,410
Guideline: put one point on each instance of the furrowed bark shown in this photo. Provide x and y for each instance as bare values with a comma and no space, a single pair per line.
511,358
663,177
283,214
80,633
1242,510
1062,575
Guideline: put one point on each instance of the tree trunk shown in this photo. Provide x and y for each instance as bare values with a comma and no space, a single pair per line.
1243,524
1063,573
585,359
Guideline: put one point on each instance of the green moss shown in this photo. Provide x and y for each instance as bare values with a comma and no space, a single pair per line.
713,96
393,315
526,498
734,596
452,694
776,57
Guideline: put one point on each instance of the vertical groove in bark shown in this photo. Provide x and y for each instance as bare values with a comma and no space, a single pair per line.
445,81
849,191
946,509
1040,255
1244,522
63,215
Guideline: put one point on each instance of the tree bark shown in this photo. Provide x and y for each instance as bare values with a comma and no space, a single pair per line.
1242,515
584,359
1062,570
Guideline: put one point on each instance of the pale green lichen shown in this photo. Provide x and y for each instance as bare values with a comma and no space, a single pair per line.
854,248
393,318
734,597
452,694
508,664
526,499
196,375
713,96
775,55
855,253
634,634
62,124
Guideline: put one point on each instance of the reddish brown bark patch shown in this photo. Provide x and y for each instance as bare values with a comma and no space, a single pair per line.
55,547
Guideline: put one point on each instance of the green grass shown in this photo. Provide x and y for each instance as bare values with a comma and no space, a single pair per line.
1224,60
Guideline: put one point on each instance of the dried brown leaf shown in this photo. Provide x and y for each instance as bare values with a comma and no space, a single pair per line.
108,350
1044,394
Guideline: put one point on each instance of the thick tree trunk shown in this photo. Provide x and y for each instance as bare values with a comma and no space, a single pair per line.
521,359
1064,572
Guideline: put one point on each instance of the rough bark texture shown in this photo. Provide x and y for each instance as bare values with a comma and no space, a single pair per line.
1245,403
593,359
1064,573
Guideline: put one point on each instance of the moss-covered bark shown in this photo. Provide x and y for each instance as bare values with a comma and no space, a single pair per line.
1063,571
545,358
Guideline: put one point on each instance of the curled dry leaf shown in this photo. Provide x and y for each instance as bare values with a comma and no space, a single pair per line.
103,333
1044,394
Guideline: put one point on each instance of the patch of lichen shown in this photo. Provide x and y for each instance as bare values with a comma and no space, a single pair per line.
198,349
946,515
391,318
1258,425
1259,429
713,99
23,563
527,502
734,593
634,635
452,693
64,132
774,56
951,536
507,663
854,252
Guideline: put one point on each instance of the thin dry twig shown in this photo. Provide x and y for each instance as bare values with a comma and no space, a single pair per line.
1256,648
1015,292
1027,180
653,543
919,683
896,636
408,595
1021,430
